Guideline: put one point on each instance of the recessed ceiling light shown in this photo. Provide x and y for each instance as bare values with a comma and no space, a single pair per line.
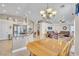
4,11
19,8
29,12
3,5
17,12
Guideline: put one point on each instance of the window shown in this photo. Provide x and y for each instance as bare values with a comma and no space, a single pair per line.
77,9
19,30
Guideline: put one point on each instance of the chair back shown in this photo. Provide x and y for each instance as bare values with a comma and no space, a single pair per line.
65,51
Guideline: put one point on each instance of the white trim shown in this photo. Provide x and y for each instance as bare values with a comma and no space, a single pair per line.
20,49
4,39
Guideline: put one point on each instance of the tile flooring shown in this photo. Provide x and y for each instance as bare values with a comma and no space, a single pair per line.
21,53
5,47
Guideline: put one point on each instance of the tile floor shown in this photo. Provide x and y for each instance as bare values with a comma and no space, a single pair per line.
21,53
5,47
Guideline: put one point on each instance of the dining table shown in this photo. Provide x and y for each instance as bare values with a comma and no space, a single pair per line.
46,47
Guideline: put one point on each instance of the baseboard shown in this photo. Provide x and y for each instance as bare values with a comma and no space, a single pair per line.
3,39
20,49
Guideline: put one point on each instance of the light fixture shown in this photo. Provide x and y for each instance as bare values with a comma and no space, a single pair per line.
2,5
62,19
17,12
18,8
48,13
29,12
4,11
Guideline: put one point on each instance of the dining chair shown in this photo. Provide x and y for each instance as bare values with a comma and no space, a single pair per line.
66,50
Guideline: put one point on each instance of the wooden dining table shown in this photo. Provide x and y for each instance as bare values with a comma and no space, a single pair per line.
48,47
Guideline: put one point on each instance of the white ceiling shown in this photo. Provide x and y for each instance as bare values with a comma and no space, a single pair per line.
32,10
